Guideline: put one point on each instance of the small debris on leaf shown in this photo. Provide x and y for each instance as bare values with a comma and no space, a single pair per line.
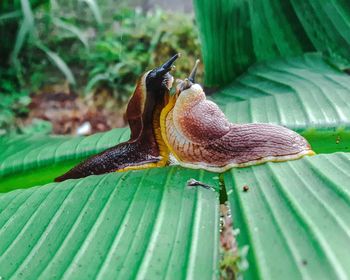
304,262
194,183
245,188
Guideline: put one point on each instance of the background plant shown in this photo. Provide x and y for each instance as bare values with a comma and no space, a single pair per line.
21,33
137,41
94,53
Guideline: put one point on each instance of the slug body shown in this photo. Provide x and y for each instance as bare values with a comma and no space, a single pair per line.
199,135
145,148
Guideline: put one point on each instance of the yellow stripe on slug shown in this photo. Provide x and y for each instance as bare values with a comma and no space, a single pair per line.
163,116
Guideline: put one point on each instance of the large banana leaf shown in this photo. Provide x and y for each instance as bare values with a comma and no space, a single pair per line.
294,217
236,34
149,224
140,224
303,93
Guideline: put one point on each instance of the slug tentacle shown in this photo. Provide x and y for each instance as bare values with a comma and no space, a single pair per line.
145,147
199,135
192,76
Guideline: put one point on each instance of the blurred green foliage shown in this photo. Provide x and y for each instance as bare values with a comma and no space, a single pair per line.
135,42
94,46
20,32
14,101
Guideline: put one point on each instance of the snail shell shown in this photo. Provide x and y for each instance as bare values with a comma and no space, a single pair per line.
199,135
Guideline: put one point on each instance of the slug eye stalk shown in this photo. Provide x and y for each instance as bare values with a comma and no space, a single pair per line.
188,82
192,76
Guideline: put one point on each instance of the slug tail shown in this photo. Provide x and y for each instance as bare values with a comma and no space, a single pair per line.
127,154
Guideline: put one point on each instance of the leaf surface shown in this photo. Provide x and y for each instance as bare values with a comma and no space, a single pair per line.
294,217
301,93
236,34
139,224
20,153
32,160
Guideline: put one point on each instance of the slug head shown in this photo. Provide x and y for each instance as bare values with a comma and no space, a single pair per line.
159,78
149,90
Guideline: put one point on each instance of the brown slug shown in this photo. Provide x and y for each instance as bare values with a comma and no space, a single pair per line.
199,135
145,148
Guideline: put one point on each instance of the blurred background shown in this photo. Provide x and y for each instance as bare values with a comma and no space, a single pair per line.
69,67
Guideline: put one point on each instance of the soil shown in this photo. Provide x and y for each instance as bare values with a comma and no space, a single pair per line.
73,114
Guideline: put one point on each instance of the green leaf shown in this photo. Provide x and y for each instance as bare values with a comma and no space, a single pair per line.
300,93
94,9
25,28
73,29
236,34
145,224
59,62
10,16
294,217
27,13
20,39
95,80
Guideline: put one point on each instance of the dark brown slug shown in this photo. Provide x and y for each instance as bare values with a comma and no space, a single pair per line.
145,148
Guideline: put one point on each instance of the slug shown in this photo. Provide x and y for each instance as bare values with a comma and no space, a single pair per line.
145,148
199,135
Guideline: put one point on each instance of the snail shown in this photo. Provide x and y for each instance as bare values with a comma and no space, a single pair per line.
198,134
145,148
